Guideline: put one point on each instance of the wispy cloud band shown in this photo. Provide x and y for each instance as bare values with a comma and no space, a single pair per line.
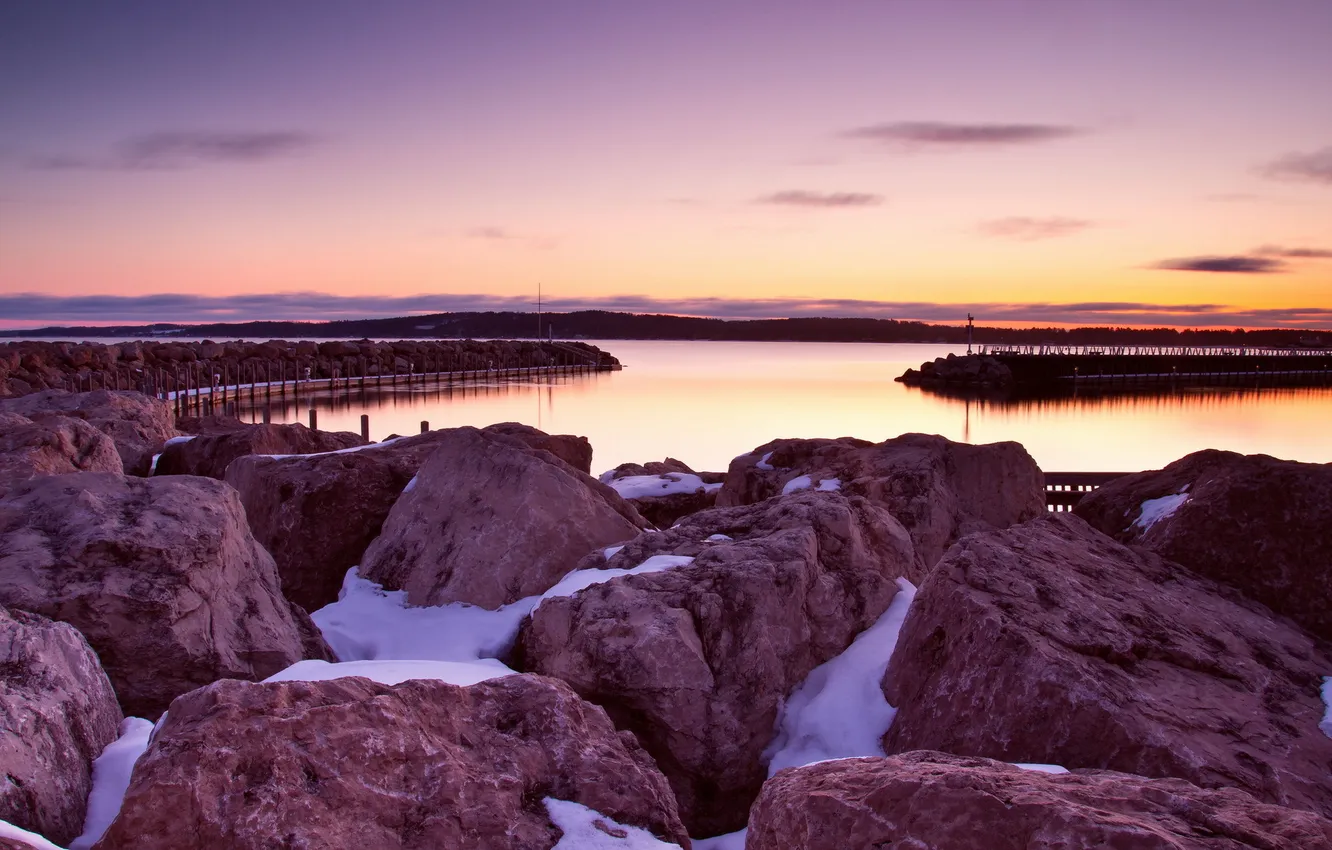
824,200
172,150
957,135
1025,229
31,309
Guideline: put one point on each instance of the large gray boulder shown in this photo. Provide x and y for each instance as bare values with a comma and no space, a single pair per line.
57,713
161,575
490,520
939,489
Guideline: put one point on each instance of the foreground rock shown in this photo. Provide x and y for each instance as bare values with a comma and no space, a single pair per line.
57,713
1051,643
929,800
696,660
1256,523
575,451
54,446
161,575
938,489
491,520
317,514
664,491
138,425
352,763
209,455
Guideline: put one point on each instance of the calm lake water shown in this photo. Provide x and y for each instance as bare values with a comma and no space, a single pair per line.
706,402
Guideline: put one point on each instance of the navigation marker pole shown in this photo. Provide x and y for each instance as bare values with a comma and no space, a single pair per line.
970,319
538,311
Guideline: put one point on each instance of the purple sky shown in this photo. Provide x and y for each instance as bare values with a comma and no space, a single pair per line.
913,159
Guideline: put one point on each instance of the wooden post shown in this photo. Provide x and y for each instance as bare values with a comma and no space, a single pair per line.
268,413
425,426
314,419
365,427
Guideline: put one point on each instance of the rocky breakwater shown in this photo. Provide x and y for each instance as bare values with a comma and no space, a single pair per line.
154,366
966,372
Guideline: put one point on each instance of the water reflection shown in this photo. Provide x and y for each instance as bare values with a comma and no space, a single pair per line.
705,402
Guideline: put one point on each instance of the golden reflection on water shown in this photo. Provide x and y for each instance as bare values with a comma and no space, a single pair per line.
706,402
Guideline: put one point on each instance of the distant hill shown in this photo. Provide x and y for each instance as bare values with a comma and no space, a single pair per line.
601,324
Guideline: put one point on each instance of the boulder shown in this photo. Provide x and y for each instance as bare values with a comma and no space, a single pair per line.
53,446
1049,642
57,713
210,424
490,520
575,451
210,455
139,425
938,489
933,800
970,371
161,575
1258,524
318,513
353,763
697,660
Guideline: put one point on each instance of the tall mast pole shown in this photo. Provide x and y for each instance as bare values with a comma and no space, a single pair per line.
538,310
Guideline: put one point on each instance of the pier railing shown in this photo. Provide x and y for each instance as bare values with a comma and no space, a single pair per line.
1148,351
1063,490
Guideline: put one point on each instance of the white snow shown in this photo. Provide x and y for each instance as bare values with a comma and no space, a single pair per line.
1326,723
411,485
368,623
830,485
8,830
644,486
1041,768
1155,510
609,551
803,482
111,778
763,462
712,488
729,841
839,710
171,442
717,538
588,829
606,477
345,451
392,672
581,579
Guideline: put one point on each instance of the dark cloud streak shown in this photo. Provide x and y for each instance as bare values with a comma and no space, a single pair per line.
1294,253
954,135
1223,265
175,150
1027,229
823,200
1315,167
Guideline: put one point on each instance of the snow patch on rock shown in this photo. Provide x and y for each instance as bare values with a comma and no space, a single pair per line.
582,579
1155,510
830,485
111,778
1326,723
647,486
462,673
588,829
839,710
1041,768
8,830
729,841
763,462
802,482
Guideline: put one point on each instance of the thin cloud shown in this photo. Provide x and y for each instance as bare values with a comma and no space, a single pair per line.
175,150
1223,265
942,134
1294,253
1314,167
494,233
1025,229
33,308
821,200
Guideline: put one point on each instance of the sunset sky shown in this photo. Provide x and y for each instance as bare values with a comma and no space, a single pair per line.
1122,162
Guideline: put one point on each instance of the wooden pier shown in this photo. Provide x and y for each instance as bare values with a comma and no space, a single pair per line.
1063,490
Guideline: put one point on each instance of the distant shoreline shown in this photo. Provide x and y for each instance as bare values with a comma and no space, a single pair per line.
602,325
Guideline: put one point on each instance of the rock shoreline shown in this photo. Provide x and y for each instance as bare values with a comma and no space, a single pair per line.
157,366
525,661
